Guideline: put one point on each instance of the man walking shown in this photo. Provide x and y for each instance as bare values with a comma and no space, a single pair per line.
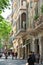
31,59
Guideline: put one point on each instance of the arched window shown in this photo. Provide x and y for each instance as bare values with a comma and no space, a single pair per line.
23,16
23,2
23,20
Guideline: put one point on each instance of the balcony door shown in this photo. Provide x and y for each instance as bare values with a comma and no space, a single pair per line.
23,2
23,20
37,45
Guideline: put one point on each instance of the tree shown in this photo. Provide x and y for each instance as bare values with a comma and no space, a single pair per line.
5,26
5,29
3,4
1,45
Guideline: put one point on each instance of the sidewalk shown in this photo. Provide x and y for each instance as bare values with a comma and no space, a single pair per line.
39,63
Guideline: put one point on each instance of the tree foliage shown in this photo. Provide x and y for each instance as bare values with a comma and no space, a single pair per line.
4,25
3,4
1,45
5,28
36,16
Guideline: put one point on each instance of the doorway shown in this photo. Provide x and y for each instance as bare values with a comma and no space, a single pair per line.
37,45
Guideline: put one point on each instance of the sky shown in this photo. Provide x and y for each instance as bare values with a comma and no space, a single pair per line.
7,12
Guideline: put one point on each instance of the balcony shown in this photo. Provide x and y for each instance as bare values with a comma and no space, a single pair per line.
21,29
38,24
35,0
37,27
21,25
23,5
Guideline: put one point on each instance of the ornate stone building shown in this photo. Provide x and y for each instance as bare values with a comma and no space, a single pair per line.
28,27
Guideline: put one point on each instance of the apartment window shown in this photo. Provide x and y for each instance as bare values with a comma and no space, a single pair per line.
14,23
19,4
36,9
24,24
31,4
23,2
23,20
19,22
17,26
23,41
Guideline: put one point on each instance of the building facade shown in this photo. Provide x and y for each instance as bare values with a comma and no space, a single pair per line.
36,26
19,17
28,27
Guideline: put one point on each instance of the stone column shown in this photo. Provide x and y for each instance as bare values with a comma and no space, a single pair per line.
41,46
18,49
25,52
20,3
22,53
20,21
40,49
33,45
18,52
28,49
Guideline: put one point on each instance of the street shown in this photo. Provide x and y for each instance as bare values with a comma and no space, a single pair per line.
9,61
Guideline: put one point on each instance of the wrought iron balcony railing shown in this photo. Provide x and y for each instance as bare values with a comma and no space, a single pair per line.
22,7
38,22
21,26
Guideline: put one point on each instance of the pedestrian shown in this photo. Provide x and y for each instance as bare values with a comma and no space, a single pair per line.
37,57
41,59
6,54
33,57
12,54
30,59
16,55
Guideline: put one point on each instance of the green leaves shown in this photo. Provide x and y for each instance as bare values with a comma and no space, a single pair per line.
0,11
1,45
4,4
5,28
36,17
